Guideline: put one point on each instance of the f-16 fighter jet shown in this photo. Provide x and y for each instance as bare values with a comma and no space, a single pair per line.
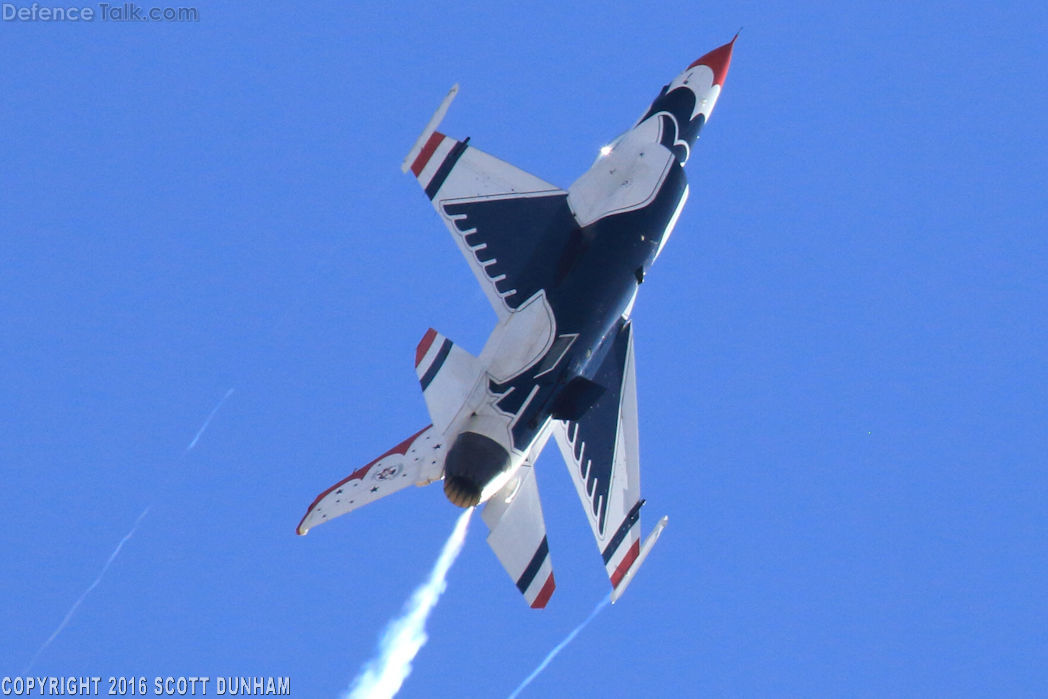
562,269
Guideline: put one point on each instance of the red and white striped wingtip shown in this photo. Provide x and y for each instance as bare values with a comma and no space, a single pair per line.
623,582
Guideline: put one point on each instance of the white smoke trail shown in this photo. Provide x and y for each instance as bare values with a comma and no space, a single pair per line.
405,635
560,646
207,421
85,593
116,551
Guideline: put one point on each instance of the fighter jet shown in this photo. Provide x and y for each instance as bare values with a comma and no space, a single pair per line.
562,269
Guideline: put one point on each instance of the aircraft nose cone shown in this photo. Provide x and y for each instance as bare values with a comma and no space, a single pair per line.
718,61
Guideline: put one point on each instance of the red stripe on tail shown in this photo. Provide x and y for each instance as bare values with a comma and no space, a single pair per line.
424,345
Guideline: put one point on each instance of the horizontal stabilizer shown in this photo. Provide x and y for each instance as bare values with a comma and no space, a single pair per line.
418,460
518,531
447,374
518,537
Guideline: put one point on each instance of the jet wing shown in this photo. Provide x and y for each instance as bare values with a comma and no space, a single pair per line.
601,452
511,226
418,460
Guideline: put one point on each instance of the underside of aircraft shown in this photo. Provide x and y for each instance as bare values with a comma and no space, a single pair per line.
561,268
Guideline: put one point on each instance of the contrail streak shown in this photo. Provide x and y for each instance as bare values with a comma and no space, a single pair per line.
208,421
93,585
119,546
405,635
560,646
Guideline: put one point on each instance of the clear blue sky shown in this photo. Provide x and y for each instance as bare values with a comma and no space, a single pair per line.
840,354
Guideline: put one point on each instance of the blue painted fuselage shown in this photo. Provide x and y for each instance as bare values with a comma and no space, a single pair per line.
596,280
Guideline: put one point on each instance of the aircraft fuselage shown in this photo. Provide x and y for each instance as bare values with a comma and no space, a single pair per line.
622,211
